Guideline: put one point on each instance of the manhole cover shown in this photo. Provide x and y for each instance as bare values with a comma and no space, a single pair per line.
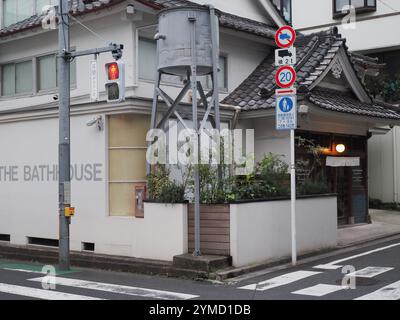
360,281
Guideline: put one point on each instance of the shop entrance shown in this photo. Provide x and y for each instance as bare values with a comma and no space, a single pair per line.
343,165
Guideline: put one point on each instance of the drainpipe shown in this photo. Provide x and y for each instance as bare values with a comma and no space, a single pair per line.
395,171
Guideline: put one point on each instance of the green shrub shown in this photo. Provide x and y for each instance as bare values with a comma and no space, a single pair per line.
162,189
310,187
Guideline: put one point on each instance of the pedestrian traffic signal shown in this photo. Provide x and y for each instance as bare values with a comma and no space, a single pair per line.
115,83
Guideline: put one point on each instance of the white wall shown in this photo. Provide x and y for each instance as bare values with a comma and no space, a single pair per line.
260,231
384,166
267,139
368,35
30,208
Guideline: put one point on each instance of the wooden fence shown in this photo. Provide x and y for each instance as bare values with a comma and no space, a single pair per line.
214,229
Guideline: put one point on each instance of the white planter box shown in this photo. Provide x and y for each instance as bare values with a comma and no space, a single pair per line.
260,231
166,228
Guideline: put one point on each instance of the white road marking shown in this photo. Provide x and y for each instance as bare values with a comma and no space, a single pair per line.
41,294
369,272
120,289
280,281
390,292
22,270
319,290
335,264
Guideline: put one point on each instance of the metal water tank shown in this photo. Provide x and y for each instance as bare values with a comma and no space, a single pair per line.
175,38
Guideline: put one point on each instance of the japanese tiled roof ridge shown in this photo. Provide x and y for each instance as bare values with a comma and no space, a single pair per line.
339,101
79,7
226,19
314,54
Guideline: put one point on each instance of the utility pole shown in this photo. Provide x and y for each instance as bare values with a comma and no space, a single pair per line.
64,59
64,159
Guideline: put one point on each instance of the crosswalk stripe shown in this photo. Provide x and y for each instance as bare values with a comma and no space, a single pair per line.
319,290
120,289
369,272
23,270
280,280
41,294
390,292
335,264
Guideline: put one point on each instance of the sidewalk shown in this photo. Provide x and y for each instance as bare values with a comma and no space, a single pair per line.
384,224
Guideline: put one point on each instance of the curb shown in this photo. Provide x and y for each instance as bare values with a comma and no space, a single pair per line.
268,267
98,261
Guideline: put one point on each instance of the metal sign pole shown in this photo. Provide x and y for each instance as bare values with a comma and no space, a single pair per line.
293,195
285,58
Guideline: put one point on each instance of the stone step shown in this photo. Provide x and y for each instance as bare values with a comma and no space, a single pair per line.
206,263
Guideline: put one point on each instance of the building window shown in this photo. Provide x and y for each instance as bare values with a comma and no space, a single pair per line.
47,72
16,78
340,7
285,9
127,161
18,10
19,78
148,66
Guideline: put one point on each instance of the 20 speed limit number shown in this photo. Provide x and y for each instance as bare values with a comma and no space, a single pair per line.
285,77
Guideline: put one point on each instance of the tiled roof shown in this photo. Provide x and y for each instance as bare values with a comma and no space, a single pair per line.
226,20
315,52
337,101
79,7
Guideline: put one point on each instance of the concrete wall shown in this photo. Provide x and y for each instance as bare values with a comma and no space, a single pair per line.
384,166
29,201
260,231
368,35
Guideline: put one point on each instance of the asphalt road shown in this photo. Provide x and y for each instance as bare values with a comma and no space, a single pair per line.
377,276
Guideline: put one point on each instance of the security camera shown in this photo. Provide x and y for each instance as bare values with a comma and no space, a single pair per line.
97,121
55,97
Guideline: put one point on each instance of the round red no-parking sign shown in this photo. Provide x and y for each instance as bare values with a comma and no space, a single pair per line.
285,37
285,77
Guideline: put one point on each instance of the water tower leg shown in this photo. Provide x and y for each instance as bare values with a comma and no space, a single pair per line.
197,252
153,121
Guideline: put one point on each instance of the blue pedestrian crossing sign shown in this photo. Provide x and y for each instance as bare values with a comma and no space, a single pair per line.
286,112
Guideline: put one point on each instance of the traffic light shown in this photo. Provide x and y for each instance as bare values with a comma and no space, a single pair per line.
115,83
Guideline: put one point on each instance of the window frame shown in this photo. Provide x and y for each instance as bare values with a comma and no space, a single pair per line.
35,77
366,8
22,94
109,181
280,10
2,12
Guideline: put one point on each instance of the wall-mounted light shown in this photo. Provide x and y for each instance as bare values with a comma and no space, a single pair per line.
340,148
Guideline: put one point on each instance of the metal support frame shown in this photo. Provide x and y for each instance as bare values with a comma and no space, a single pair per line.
197,91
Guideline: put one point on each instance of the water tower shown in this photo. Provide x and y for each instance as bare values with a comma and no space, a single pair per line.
188,47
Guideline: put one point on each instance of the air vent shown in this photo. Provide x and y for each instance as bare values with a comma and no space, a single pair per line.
5,237
43,242
87,246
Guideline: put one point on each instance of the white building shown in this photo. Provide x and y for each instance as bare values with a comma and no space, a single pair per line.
108,165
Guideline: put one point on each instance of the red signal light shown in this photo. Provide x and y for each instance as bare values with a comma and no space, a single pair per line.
113,71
